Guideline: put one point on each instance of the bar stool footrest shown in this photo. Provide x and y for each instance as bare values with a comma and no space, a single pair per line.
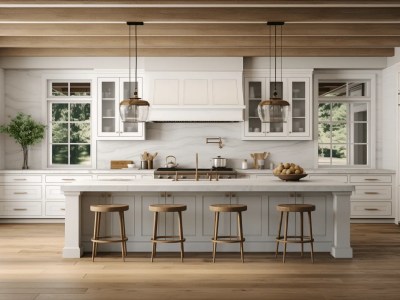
228,239
295,239
108,239
168,239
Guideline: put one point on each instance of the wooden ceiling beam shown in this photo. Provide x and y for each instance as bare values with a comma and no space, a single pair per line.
151,29
178,14
198,42
186,52
205,2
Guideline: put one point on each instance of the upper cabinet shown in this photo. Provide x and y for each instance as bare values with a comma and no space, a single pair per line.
109,125
195,96
293,87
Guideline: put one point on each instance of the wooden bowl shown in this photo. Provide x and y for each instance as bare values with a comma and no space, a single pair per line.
291,177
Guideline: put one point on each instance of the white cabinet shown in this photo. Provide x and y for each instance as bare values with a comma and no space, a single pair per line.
373,197
20,195
293,88
109,125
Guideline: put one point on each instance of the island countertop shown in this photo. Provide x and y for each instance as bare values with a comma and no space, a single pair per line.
224,185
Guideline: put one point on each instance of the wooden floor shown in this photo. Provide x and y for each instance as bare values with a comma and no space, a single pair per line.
31,267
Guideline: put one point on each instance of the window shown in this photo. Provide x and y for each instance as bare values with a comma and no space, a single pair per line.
70,133
69,120
344,123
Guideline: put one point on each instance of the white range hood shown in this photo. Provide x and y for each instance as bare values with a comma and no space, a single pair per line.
212,92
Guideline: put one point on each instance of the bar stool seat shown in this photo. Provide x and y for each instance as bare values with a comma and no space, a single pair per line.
97,239
302,239
164,208
217,209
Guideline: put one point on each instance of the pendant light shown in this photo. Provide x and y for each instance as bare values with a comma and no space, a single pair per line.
275,109
134,109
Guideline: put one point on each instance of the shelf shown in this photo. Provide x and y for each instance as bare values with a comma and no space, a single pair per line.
298,117
299,99
255,99
108,99
108,117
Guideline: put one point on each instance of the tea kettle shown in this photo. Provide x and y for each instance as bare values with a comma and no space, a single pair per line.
170,162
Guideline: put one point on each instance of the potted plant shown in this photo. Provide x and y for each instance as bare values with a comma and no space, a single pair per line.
26,131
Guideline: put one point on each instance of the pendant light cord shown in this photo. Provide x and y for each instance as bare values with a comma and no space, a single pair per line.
129,88
136,83
275,54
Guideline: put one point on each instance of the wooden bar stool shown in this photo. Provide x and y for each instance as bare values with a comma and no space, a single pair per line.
218,208
300,208
157,208
98,209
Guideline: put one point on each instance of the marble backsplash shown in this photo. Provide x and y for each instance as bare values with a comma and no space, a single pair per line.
184,140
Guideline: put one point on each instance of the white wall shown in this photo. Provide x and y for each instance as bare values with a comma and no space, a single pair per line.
23,93
388,135
394,59
319,63
2,146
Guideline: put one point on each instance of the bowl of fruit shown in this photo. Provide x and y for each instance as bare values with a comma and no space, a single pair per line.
289,172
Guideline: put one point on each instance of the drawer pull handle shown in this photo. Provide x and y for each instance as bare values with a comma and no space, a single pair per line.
371,193
371,209
68,179
20,193
20,209
371,179
19,179
63,209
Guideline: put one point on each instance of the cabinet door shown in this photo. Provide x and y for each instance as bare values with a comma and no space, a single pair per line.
255,92
127,90
299,110
110,93
108,114
277,89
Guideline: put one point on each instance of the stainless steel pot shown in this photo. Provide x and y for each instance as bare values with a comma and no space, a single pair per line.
218,162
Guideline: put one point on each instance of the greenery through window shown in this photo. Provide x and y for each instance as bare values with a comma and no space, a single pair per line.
70,133
343,133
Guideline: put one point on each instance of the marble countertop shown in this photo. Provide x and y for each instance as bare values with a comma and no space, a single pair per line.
228,185
138,171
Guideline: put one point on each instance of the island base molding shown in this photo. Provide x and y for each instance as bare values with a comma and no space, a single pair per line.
331,221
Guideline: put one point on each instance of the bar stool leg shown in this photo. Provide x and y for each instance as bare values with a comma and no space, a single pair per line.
216,223
124,232
155,225
279,235
181,234
121,226
96,220
302,232
311,237
240,227
285,237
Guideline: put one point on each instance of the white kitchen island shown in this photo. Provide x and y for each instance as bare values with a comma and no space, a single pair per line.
331,220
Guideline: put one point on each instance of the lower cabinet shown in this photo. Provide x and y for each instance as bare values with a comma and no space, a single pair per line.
260,221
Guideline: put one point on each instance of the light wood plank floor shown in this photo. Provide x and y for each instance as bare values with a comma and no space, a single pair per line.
31,267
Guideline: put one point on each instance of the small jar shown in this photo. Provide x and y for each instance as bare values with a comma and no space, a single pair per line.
244,164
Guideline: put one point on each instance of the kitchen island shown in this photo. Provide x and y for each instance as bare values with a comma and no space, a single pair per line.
331,220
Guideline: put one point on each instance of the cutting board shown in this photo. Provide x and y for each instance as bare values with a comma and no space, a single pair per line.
120,164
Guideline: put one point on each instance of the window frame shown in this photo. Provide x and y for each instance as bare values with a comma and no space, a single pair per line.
70,77
369,99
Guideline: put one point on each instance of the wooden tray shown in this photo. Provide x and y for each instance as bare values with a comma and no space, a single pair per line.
120,164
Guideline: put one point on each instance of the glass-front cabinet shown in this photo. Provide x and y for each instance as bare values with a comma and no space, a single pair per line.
295,90
110,93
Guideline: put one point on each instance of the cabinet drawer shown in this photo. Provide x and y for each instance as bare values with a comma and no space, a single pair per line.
20,178
25,192
54,192
55,208
371,208
370,178
335,178
66,178
9,209
116,177
377,192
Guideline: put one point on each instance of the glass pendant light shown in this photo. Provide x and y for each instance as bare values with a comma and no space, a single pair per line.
275,109
134,109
